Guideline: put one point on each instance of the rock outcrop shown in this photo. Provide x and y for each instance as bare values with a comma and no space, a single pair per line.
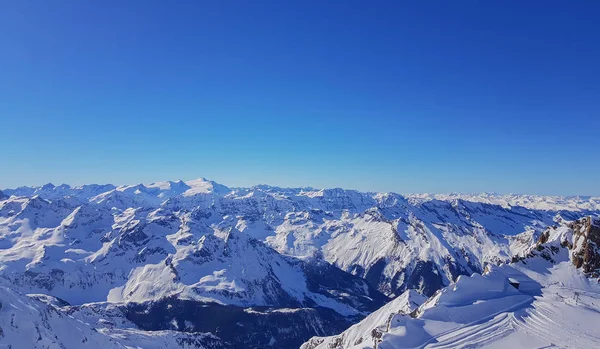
580,238
585,252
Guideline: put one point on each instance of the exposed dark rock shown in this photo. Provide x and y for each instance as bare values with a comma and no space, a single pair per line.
324,278
373,275
425,278
586,245
583,246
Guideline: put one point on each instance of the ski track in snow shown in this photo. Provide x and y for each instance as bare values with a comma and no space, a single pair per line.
474,335
478,332
549,321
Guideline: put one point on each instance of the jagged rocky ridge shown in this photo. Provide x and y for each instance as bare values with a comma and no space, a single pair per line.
582,239
311,254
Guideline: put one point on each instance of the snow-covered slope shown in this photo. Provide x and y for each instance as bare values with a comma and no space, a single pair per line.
378,320
29,323
555,304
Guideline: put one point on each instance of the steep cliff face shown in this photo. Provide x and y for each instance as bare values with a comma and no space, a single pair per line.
579,239
585,252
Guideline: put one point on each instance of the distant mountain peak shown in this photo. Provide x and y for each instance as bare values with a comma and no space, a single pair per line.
47,186
205,186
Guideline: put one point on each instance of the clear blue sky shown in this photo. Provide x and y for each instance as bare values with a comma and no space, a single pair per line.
416,96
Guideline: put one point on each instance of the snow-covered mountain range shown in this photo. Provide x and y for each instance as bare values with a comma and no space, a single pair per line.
247,267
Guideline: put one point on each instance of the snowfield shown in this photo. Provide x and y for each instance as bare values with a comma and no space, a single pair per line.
280,265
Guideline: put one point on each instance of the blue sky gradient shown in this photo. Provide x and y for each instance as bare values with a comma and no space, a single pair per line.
444,96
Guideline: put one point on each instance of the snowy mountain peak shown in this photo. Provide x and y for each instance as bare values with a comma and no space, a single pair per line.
177,186
48,186
204,186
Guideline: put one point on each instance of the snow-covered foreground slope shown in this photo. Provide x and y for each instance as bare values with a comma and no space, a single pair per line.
268,255
556,304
